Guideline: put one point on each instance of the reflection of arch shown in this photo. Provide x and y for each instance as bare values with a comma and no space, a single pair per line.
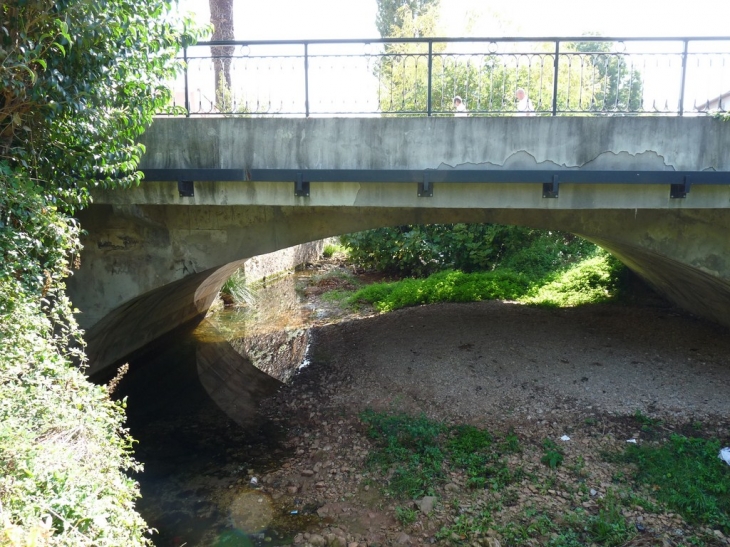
230,380
684,253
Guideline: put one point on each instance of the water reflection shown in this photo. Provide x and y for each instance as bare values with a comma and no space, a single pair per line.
271,332
192,405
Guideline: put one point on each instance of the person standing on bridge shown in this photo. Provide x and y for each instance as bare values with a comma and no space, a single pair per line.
460,107
524,104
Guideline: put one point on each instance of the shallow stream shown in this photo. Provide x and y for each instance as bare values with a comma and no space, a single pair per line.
192,406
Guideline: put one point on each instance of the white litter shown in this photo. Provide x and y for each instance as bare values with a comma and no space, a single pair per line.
725,455
564,438
631,441
254,481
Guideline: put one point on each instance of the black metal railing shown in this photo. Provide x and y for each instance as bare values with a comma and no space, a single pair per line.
421,77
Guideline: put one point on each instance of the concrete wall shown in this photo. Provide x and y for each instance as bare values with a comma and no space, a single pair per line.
153,260
271,264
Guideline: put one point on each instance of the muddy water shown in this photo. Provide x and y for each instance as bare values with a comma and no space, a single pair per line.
192,405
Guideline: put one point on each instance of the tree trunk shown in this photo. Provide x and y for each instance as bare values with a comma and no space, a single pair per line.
221,17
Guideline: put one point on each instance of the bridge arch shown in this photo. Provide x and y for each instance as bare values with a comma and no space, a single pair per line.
156,255
684,255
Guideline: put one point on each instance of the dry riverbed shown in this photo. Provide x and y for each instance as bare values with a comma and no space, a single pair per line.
600,376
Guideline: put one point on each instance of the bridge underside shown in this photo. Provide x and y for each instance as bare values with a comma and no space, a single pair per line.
652,190
175,258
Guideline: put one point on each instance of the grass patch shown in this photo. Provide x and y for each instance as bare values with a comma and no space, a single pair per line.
235,292
330,249
416,453
590,281
449,286
686,474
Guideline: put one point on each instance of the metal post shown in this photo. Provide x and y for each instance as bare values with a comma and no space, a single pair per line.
430,71
555,78
306,79
187,91
684,78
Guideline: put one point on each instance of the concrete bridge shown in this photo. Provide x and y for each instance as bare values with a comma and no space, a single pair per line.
655,191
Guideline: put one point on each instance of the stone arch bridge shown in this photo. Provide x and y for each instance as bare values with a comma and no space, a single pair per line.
654,191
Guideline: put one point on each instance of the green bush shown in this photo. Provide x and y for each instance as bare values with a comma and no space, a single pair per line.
420,250
63,448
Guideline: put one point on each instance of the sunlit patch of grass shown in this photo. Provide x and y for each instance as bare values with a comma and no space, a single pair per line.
448,286
590,281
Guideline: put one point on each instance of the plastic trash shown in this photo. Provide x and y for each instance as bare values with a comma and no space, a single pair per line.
633,441
564,438
254,481
295,512
725,455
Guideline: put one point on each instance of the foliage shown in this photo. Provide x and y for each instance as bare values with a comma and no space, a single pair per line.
62,445
615,84
330,249
235,292
590,76
591,281
391,13
410,446
406,515
418,453
79,81
686,474
448,286
419,250
553,456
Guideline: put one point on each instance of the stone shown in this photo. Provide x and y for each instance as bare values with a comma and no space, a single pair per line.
451,487
307,473
403,539
426,504
292,489
317,541
298,539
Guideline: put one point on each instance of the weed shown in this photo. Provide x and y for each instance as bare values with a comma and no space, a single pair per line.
415,452
511,443
578,468
235,292
467,525
406,515
609,526
409,447
687,476
331,249
553,457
